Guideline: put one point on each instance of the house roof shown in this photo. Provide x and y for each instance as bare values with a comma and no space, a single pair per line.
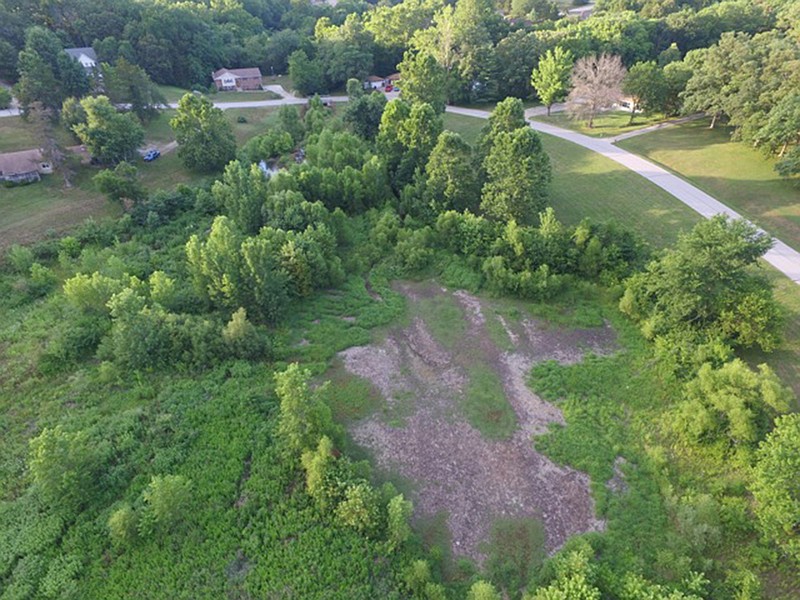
374,78
76,53
245,73
17,163
394,77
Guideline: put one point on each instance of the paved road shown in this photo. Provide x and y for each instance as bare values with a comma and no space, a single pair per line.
781,256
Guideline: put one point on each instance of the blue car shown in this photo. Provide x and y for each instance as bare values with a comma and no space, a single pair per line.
151,155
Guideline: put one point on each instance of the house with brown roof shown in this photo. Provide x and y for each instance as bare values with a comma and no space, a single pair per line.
25,166
237,79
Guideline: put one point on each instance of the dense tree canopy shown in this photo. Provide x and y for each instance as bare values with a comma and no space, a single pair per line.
205,138
108,135
706,285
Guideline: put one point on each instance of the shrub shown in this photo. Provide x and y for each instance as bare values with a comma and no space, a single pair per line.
122,526
20,258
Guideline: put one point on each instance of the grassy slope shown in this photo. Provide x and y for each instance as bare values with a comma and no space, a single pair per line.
586,184
734,173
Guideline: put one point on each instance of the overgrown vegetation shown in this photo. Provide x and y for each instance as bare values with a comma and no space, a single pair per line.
161,428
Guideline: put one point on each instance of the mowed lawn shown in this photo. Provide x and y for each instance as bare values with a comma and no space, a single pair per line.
586,184
734,173
605,125
173,94
29,213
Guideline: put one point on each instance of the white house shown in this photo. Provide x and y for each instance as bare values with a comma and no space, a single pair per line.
85,56
374,82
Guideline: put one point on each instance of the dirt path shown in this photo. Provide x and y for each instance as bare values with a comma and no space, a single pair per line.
454,467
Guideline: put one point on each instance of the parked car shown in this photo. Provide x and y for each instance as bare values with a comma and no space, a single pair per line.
389,87
151,155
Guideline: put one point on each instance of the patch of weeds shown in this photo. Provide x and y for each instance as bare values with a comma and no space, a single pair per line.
609,404
577,307
444,318
485,405
350,397
514,552
458,274
330,322
497,332
435,535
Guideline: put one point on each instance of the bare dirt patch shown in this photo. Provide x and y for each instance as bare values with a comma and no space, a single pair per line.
454,466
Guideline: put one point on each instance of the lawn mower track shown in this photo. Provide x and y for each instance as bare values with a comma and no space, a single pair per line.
455,469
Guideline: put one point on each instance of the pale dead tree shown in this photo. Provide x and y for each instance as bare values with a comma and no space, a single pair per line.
43,122
596,86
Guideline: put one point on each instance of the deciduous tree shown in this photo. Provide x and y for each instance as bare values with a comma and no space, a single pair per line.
646,86
705,285
596,85
205,138
423,80
304,415
108,135
452,182
774,485
551,77
122,184
518,176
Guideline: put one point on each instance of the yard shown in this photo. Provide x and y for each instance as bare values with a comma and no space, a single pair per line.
173,94
17,134
28,213
734,173
586,184
607,124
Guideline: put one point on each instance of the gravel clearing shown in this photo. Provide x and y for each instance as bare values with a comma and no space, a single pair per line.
454,468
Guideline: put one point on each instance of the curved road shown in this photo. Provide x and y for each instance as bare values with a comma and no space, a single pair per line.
780,256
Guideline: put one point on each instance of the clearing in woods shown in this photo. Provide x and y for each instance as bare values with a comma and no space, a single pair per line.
457,419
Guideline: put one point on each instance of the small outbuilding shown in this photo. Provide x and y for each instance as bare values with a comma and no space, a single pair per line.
237,80
25,166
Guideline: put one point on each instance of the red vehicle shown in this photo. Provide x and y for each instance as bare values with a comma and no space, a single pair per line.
389,88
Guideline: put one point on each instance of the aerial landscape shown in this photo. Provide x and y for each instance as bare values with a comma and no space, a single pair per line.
400,299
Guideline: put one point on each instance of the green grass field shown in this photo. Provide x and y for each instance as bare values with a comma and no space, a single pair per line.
28,213
469,127
606,125
586,184
172,94
734,173
16,134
